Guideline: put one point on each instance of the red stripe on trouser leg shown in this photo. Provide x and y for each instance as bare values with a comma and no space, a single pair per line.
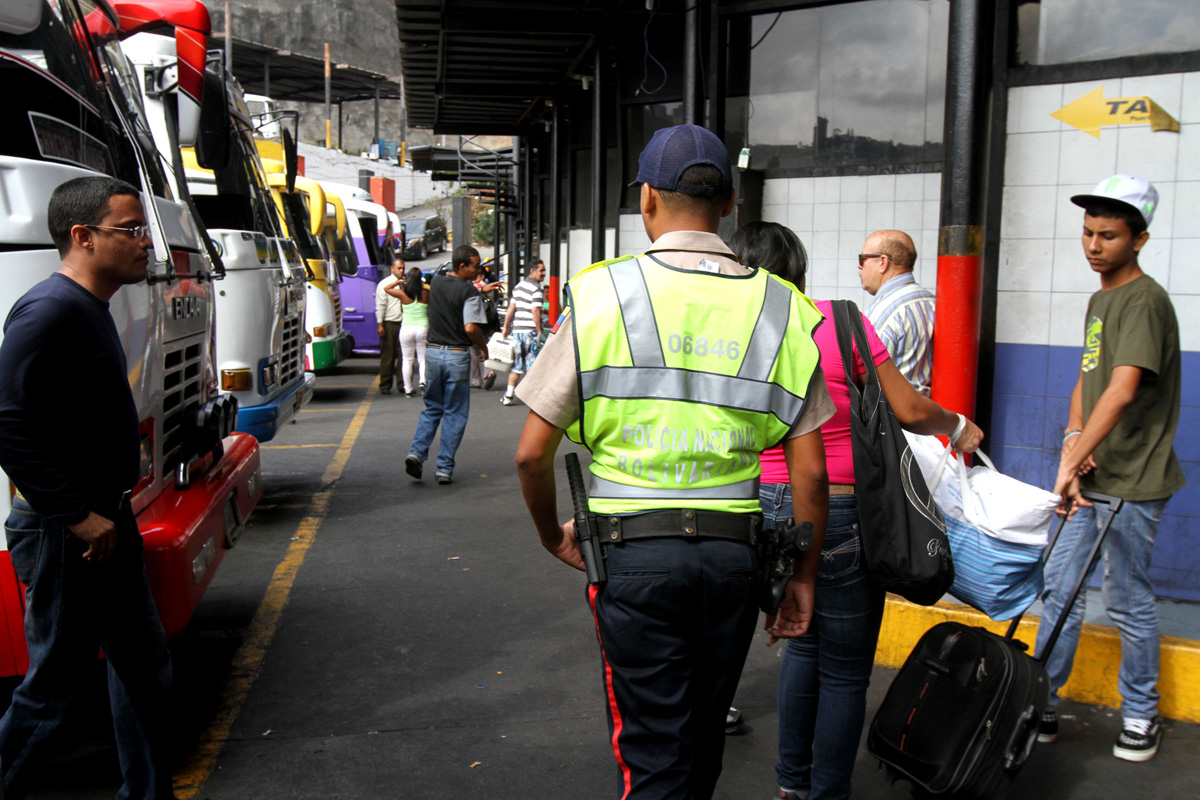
626,777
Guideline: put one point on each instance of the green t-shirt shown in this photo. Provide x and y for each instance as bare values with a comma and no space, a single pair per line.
1134,325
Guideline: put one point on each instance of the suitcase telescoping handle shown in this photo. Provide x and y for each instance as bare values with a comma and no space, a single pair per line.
1114,505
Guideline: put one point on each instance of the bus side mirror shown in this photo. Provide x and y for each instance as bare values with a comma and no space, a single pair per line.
213,149
291,159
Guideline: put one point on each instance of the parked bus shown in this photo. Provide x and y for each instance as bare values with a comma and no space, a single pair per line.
370,230
260,305
303,212
72,110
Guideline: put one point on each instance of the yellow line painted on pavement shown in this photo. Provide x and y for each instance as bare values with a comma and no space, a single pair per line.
324,410
248,660
1094,677
293,446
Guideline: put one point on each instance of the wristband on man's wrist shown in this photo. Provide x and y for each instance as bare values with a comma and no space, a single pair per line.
958,429
1070,434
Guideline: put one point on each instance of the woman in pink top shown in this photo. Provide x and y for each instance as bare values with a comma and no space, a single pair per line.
825,673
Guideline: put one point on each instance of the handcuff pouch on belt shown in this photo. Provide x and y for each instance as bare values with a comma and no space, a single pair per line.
781,548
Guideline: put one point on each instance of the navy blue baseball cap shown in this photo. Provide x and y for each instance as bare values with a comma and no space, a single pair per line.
671,151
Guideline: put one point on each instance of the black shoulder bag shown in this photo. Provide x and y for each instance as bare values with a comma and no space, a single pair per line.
903,532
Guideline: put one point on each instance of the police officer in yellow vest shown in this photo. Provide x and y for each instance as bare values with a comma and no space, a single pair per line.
676,369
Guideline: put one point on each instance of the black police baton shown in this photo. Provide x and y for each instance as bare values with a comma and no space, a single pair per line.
589,544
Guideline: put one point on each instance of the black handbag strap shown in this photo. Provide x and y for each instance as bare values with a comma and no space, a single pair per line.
847,321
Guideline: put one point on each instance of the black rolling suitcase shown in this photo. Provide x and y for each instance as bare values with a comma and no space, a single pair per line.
962,716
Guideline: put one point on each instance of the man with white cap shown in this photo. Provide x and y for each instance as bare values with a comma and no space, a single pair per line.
1118,441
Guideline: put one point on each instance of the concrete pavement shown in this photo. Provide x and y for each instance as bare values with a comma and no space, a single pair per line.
427,647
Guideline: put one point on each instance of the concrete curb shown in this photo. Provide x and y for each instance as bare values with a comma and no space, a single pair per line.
1094,678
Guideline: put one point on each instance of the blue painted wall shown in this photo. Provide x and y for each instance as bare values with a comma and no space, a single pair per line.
1032,395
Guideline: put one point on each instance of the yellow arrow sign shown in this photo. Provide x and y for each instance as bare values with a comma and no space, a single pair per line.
1091,111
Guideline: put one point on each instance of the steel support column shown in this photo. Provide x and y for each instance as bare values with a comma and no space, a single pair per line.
693,97
527,205
961,235
328,101
714,118
516,242
552,257
599,156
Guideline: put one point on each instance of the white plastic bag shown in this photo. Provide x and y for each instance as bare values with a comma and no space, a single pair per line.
1002,507
997,526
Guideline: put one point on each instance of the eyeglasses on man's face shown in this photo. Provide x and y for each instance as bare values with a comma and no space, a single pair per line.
136,232
862,257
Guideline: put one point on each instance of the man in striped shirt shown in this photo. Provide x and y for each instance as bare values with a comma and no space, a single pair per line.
524,320
902,311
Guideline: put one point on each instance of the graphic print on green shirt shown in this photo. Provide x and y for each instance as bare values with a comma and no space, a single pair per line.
1091,344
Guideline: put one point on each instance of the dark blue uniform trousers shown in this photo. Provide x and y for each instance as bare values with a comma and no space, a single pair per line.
675,620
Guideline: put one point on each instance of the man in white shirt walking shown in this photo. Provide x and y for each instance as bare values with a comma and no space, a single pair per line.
389,311
524,319
902,311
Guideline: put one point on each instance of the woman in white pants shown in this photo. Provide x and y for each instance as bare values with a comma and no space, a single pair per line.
414,294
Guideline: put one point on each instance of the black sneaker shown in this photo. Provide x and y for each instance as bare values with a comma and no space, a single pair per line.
733,721
386,390
443,479
1048,730
792,794
1139,741
412,465
489,381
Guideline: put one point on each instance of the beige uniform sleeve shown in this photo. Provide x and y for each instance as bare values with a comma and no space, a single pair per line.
551,388
818,409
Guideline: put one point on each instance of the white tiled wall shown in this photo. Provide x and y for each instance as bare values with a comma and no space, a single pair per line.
834,216
1044,280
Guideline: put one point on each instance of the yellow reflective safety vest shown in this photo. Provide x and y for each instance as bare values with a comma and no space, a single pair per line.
684,378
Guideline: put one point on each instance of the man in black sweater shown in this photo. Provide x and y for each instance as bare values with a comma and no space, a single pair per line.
71,532
456,319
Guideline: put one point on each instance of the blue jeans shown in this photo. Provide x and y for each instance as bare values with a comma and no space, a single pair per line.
825,674
75,608
447,402
1128,598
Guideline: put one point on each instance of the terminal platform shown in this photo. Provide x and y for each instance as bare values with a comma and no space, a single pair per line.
375,637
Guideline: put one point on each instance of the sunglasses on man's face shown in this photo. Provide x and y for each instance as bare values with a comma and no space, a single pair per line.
136,232
862,257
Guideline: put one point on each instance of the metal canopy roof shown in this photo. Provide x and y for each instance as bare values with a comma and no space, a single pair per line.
299,77
478,66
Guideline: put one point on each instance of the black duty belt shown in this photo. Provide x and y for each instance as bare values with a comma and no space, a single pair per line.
686,523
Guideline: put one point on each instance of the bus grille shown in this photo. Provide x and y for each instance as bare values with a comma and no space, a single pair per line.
292,364
181,396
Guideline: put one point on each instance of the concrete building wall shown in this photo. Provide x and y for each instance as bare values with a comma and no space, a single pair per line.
413,189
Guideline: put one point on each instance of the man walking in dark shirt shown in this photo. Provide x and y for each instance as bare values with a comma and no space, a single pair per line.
71,533
456,319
